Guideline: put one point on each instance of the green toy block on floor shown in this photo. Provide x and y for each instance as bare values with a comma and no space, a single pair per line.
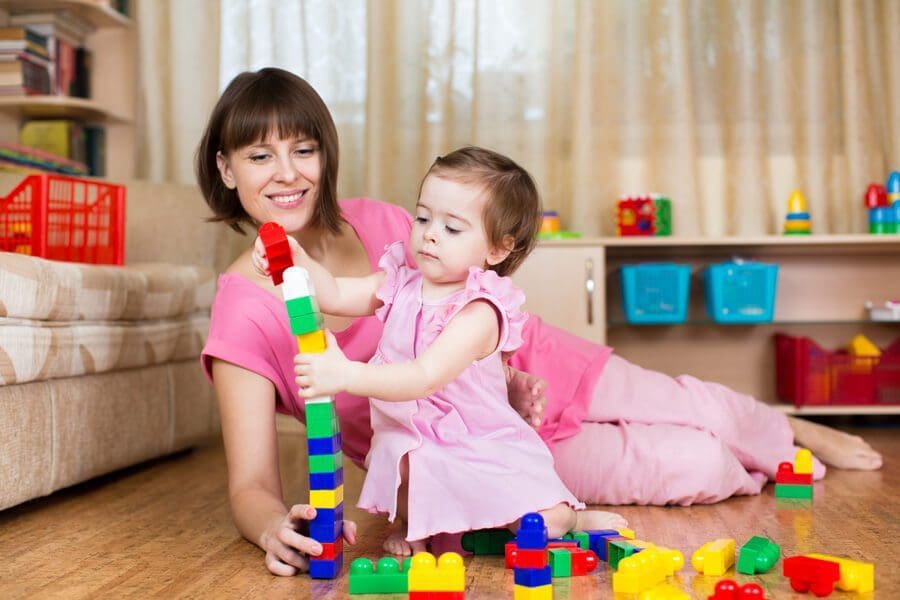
583,539
487,542
618,550
758,555
560,562
384,578
792,490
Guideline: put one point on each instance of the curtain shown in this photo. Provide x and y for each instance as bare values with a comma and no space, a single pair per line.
723,106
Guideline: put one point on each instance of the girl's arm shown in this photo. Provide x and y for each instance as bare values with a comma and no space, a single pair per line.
339,296
472,334
247,410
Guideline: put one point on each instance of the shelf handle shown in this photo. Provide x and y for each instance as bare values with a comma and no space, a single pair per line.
589,286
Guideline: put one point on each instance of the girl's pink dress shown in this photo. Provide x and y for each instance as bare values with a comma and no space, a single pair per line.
473,462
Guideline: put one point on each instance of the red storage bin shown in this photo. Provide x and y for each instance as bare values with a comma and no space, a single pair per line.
807,374
65,218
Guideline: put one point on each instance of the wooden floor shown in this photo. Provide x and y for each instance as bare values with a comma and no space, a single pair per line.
163,530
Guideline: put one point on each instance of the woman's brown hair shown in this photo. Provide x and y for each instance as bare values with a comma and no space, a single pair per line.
513,207
252,106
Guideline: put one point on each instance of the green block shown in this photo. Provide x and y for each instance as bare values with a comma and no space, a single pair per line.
662,223
306,323
618,550
322,429
320,411
326,463
306,305
793,490
487,542
758,555
384,578
560,562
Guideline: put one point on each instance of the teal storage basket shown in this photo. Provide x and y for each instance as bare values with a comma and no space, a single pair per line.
655,293
740,292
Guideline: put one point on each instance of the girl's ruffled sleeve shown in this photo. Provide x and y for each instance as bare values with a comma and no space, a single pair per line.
508,298
391,262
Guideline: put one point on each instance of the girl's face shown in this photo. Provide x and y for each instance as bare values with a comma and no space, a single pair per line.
276,179
448,234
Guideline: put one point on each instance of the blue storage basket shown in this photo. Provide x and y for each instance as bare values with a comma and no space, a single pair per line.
655,293
740,292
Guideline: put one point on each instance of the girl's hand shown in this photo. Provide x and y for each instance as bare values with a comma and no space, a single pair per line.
325,373
261,261
526,395
287,550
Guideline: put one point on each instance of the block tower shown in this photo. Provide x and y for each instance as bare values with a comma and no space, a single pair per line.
797,220
795,480
326,473
531,569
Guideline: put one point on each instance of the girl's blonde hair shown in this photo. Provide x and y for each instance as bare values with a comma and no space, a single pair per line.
513,206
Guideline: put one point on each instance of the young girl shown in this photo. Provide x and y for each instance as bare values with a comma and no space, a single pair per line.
448,454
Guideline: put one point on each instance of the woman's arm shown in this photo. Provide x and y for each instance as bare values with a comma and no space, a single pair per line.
472,334
247,411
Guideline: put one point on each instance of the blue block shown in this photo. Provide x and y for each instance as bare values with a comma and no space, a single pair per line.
532,534
328,524
326,481
533,577
326,569
325,445
598,538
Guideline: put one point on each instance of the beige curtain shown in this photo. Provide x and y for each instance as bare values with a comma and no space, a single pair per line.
724,106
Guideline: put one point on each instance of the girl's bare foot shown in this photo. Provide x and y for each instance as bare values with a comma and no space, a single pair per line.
396,543
835,448
562,519
585,520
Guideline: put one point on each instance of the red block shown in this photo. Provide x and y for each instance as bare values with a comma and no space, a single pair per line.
530,559
786,474
278,251
728,589
583,561
811,574
510,549
331,549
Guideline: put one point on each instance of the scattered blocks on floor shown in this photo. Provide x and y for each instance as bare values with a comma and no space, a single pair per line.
758,555
386,577
715,557
446,574
487,542
811,574
856,576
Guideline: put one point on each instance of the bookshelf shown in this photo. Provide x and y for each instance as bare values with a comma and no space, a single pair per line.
113,82
823,283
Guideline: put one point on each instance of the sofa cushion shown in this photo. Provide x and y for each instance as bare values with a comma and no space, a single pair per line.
35,288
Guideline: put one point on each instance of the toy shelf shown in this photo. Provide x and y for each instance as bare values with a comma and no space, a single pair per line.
96,14
823,284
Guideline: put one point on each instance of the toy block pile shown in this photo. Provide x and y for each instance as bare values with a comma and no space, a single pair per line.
326,473
531,569
820,573
795,481
444,579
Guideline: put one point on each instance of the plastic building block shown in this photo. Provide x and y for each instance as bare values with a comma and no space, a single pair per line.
626,533
326,569
384,578
328,524
532,533
326,481
803,462
446,574
639,572
306,324
331,549
437,596
728,589
486,542
664,591
862,346
856,576
811,574
544,592
326,498
311,343
583,561
582,537
533,577
278,251
326,463
530,558
786,474
788,490
510,550
619,549
302,305
597,539
714,558
758,555
648,214
560,562
324,445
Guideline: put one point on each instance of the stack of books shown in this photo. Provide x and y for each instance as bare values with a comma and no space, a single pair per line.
68,61
24,62
22,159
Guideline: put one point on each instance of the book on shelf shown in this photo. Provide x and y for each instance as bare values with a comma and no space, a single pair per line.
65,33
24,74
84,144
24,39
14,157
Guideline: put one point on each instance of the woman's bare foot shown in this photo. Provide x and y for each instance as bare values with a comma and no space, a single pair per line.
835,448
396,543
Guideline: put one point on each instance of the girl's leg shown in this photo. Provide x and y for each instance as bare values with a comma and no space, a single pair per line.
834,447
396,542
635,463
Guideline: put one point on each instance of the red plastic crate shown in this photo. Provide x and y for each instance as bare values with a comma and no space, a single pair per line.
65,218
807,374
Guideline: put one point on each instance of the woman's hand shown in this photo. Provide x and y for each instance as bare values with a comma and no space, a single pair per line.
287,550
526,395
325,373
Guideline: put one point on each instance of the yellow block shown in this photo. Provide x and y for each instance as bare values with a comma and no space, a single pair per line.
312,342
664,592
447,575
855,576
626,533
714,558
803,462
862,346
796,203
543,592
326,498
639,572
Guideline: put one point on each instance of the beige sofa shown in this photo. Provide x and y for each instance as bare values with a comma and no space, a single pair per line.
99,365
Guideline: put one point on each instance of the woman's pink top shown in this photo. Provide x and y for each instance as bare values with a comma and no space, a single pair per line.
474,463
249,328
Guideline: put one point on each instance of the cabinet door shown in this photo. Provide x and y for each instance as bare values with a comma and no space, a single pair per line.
564,285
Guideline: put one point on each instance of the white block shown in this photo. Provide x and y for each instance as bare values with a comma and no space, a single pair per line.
296,283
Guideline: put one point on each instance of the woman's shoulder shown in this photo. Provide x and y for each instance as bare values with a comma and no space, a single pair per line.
372,210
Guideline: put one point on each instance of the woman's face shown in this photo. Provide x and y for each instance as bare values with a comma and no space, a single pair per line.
276,179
